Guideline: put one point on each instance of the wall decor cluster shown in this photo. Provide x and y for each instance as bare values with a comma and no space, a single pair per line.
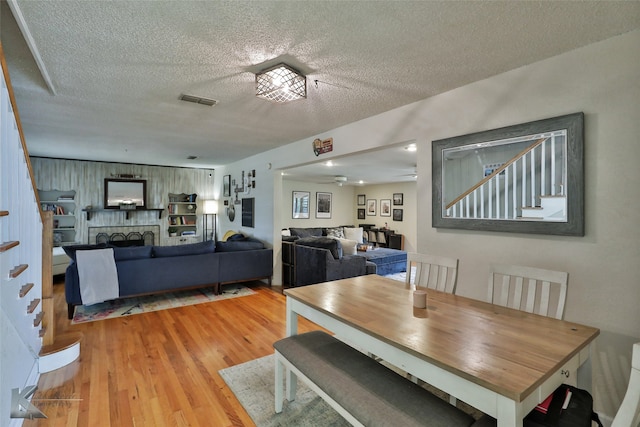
532,182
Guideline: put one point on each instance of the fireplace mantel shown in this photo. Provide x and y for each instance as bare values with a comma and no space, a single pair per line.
128,212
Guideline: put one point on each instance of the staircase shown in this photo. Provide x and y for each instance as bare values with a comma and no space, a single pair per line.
527,187
26,289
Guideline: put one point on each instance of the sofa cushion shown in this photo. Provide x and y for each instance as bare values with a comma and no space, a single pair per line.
70,250
349,247
244,244
183,250
335,232
332,245
132,252
353,234
306,232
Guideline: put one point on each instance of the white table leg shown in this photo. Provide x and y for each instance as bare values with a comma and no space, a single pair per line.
279,383
291,319
291,329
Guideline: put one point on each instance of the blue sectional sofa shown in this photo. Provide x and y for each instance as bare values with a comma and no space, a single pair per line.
320,259
156,269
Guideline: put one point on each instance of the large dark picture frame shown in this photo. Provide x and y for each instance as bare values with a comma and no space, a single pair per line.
461,192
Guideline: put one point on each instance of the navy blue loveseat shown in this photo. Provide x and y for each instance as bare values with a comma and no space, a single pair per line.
155,269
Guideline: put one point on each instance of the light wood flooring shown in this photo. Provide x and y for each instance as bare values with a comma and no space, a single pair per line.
161,368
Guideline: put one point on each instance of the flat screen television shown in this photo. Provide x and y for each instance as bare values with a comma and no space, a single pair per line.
119,192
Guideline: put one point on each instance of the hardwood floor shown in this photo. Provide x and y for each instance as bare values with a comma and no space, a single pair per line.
161,368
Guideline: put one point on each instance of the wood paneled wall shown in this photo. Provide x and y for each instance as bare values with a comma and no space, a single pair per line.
87,179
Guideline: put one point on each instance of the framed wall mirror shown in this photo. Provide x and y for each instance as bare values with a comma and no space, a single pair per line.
526,178
125,191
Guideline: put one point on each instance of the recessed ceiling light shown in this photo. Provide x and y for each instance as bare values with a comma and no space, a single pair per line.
411,147
329,163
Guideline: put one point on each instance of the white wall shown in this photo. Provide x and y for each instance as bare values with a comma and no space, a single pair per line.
600,80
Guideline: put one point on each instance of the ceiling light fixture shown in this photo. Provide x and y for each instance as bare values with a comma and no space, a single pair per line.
411,147
281,83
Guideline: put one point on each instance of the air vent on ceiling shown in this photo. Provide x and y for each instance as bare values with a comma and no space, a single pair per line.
198,100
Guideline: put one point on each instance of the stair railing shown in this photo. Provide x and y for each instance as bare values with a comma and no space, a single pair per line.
502,194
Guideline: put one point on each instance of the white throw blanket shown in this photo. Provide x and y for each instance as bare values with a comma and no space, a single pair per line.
98,275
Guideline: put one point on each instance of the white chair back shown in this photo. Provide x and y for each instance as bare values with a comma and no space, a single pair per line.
629,412
431,271
530,289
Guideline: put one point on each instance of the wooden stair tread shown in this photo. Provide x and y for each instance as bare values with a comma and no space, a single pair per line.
62,342
8,245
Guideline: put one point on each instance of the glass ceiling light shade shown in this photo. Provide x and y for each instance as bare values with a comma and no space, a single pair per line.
281,83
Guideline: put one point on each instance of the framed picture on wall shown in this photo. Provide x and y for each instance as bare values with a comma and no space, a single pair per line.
323,205
361,200
385,207
361,213
371,207
397,214
248,206
226,185
300,203
397,199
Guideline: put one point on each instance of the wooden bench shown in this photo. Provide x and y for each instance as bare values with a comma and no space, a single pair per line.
362,390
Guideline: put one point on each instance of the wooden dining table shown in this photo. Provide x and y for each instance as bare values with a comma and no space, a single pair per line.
499,360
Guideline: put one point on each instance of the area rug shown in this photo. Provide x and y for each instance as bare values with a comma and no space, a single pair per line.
253,384
145,304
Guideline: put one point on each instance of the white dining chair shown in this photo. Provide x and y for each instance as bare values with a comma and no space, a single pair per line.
530,289
432,272
371,236
628,414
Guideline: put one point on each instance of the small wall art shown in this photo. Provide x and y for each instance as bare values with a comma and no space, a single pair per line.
385,207
371,207
323,205
300,204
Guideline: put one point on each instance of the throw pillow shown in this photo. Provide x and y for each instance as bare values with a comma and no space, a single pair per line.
349,247
227,235
353,234
336,232
182,250
286,232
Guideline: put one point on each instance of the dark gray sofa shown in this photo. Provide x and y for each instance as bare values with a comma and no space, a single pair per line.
156,269
320,259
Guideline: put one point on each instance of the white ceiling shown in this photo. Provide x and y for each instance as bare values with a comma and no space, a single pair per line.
111,72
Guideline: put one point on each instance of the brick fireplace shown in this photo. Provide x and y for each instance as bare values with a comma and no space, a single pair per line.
130,235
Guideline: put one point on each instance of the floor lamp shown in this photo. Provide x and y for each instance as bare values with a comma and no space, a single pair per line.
210,208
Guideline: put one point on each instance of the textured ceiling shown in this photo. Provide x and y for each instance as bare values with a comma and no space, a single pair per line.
115,70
